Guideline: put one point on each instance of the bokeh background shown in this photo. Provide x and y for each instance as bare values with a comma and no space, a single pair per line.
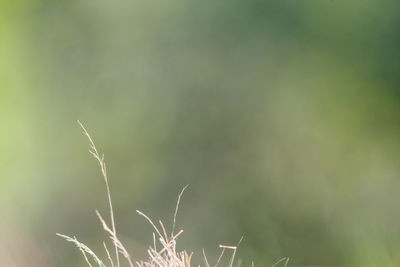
283,116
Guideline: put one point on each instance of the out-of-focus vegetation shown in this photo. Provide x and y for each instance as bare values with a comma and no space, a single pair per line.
283,116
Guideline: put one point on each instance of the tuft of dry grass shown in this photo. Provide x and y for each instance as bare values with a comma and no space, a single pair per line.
166,256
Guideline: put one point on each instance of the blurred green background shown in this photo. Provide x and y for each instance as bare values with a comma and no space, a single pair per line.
283,116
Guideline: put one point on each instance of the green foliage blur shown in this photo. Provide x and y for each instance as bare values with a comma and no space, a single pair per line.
283,116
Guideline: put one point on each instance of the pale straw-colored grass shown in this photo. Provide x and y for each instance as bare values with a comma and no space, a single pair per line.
166,256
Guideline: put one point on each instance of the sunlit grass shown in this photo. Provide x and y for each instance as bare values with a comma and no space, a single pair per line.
166,256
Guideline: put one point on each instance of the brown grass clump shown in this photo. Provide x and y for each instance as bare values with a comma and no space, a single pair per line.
166,256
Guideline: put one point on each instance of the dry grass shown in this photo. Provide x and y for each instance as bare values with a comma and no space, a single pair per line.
166,256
